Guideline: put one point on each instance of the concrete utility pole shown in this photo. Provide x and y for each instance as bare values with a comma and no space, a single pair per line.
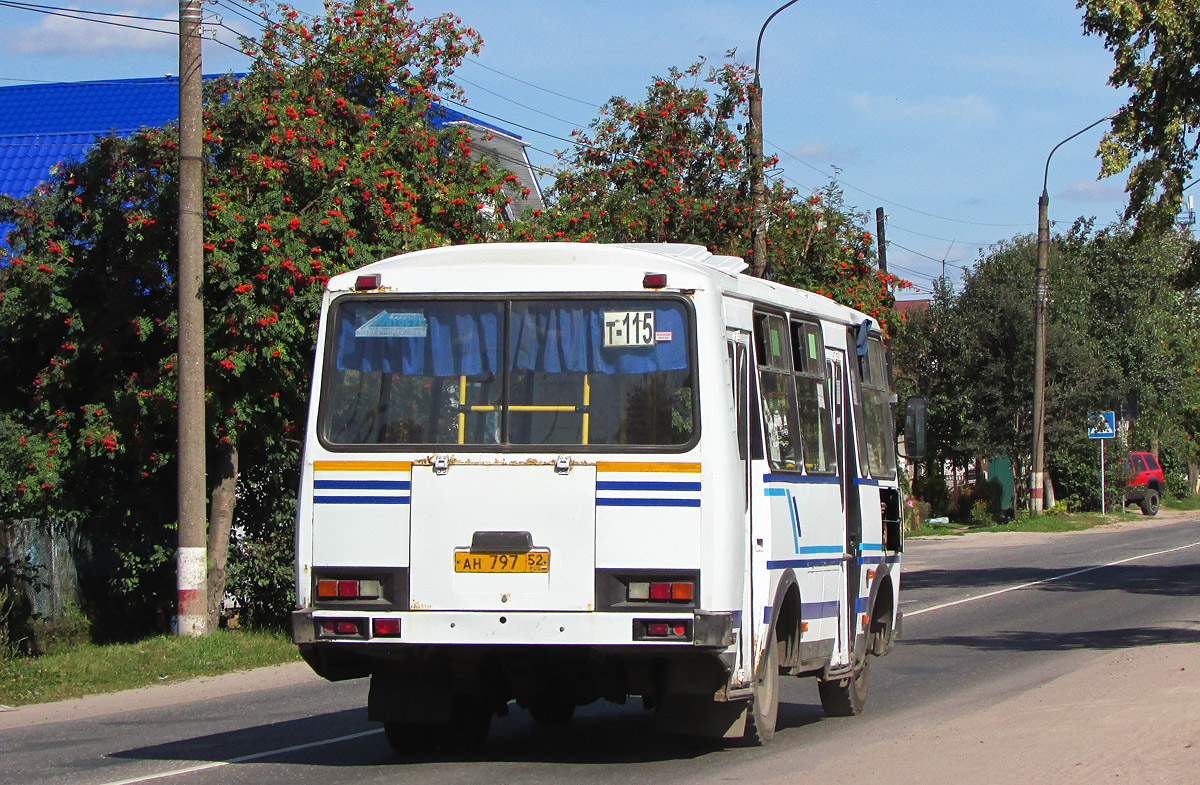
758,178
880,239
192,557
1041,297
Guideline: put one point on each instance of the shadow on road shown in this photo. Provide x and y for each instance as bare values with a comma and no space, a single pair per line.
1170,581
599,734
1021,640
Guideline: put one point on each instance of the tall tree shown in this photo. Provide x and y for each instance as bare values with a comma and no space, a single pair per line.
1156,49
1114,332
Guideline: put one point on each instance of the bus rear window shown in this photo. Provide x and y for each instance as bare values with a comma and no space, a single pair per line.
613,372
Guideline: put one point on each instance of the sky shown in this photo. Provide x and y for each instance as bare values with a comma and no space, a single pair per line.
942,113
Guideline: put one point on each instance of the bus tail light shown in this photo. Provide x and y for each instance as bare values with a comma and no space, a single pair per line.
662,629
385,628
654,281
328,589
341,628
365,282
661,591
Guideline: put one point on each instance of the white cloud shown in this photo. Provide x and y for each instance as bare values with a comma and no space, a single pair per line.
820,152
58,35
964,109
1093,191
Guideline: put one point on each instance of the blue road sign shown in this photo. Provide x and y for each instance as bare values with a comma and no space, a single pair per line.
1102,425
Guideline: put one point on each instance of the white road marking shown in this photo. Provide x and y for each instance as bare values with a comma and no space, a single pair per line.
242,759
1051,579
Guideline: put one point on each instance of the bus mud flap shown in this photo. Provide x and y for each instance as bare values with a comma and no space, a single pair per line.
697,715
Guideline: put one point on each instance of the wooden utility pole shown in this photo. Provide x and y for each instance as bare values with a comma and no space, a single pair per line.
758,178
192,557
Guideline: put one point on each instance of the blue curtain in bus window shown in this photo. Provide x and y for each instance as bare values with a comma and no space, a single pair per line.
426,339
557,338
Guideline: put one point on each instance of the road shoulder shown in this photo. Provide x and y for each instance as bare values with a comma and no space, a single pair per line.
158,695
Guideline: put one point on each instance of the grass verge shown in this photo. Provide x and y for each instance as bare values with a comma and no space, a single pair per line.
90,669
1054,522
1190,503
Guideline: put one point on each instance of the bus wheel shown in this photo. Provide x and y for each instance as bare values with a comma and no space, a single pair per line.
470,722
764,706
846,697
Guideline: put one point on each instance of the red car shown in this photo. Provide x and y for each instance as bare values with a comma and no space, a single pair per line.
1145,487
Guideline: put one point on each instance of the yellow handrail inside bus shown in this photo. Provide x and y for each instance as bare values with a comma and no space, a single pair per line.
462,413
587,402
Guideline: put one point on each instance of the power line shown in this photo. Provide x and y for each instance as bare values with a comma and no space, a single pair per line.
888,201
571,123
589,104
53,11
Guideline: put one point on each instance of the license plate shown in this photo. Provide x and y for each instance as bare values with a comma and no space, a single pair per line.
533,561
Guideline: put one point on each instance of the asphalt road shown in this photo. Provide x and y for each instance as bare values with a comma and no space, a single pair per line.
987,617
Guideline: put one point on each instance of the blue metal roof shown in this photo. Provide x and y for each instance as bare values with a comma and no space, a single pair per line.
44,124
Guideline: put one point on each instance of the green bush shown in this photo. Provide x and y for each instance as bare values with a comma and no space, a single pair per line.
932,489
982,492
980,515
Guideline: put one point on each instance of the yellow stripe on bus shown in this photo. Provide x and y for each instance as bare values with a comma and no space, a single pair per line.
614,466
362,466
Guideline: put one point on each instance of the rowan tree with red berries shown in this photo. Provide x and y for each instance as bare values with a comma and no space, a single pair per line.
325,156
675,167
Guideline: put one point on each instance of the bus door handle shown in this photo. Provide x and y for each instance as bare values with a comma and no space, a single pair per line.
848,557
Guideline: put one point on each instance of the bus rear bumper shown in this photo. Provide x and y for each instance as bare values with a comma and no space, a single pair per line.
693,628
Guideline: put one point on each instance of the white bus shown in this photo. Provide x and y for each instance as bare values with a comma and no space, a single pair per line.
546,474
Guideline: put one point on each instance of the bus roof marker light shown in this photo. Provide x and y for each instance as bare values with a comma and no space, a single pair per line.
364,282
654,280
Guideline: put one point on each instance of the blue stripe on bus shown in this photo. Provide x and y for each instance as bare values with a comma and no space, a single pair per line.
822,549
779,564
861,605
634,502
866,481
870,546
819,610
361,499
620,485
803,479
378,485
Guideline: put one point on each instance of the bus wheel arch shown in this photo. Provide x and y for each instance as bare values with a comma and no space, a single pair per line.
786,624
881,631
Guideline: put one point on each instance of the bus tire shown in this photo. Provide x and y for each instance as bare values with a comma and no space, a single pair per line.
846,697
764,705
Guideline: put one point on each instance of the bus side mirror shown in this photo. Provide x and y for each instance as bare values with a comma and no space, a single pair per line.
914,427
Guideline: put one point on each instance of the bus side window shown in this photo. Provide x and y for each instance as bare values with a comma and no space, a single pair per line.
816,412
876,435
737,365
777,392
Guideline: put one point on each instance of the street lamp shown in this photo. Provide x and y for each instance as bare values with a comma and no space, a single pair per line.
1040,298
758,185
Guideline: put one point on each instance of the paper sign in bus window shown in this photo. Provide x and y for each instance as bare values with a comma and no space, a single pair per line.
394,325
629,328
